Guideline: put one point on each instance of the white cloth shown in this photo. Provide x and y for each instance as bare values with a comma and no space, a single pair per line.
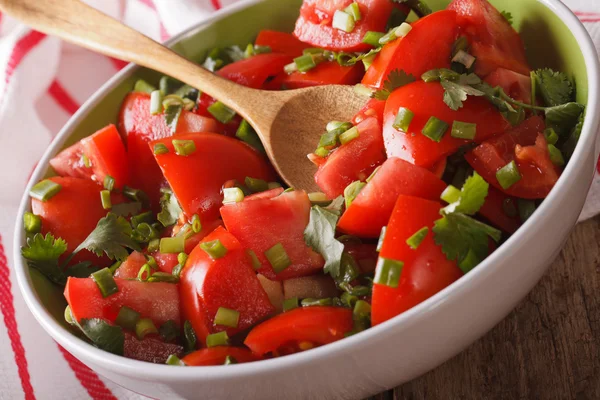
44,81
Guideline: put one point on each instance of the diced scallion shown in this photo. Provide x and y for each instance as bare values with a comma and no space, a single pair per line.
434,129
526,209
322,152
290,68
172,100
463,130
105,199
156,105
160,148
227,317
214,249
254,259
343,21
105,282
381,238
175,361
256,185
278,258
217,339
415,240
551,136
172,244
464,58
290,304
221,112
144,273
309,302
127,318
143,86
305,62
403,119
318,197
388,272
184,147
354,10
556,156
45,190
247,134
451,194
352,190
232,195
349,135
182,258
109,183
338,126
196,223
508,175
403,30
144,327
329,139
230,360
372,38
32,222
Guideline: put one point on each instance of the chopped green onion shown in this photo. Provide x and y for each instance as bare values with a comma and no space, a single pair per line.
127,318
256,264
247,134
153,245
329,139
221,112
403,30
230,360
354,10
135,195
309,302
217,339
305,63
151,261
290,304
86,161
188,104
368,61
349,135
113,268
322,152
551,136
146,217
69,316
172,100
169,331
388,272
343,21
372,38
156,105
451,194
352,190
381,239
144,327
338,126
375,171
415,240
188,92
32,222
274,185
163,277
463,130
105,282
290,68
176,271
168,85
278,258
172,245
160,148
509,208
214,249
362,90
196,223
144,273
361,314
318,197
184,147
227,317
526,209
508,175
556,156
175,361
403,119
109,183
464,58
189,336
145,232
232,195
143,86
45,190
182,258
256,185
434,129
105,198
388,37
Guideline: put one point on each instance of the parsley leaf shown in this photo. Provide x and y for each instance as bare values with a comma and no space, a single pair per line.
111,236
103,335
472,196
170,209
42,253
508,16
555,87
396,79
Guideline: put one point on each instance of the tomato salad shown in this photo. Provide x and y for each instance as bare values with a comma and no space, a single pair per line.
176,243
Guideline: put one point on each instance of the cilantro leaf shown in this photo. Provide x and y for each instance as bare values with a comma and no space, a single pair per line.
564,117
508,16
104,335
555,87
111,236
569,146
43,253
472,196
170,209
396,79
456,92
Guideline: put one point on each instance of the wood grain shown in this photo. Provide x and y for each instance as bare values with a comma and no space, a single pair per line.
548,348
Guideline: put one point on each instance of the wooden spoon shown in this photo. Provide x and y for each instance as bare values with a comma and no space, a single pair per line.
289,123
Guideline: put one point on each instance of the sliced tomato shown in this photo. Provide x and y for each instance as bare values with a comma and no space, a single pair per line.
314,25
426,100
371,209
268,194
313,326
281,42
427,46
439,167
516,85
374,108
197,179
254,71
493,210
131,267
353,161
149,349
426,270
157,300
228,129
523,145
139,127
494,42
261,223
229,281
326,73
217,356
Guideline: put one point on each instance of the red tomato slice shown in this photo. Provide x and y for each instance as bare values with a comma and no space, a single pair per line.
228,129
374,108
516,85
372,208
139,127
326,73
439,167
261,223
427,46
157,300
493,40
530,153
314,25
150,349
216,160
217,356
353,161
254,71
426,100
493,211
268,194
131,267
281,42
229,281
426,270
313,325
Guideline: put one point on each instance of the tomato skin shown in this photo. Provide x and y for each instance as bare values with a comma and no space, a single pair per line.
326,73
229,281
426,100
515,85
493,40
149,349
157,300
216,356
254,71
371,209
426,270
353,161
493,211
217,159
439,167
374,108
131,267
281,42
427,46
261,223
317,325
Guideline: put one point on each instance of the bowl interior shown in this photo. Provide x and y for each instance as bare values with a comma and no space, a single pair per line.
548,40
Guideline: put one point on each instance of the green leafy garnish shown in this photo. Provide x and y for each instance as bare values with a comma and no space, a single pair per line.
126,209
170,209
396,79
103,335
508,16
189,336
43,253
569,146
111,236
418,6
172,113
563,118
472,196
555,88
82,270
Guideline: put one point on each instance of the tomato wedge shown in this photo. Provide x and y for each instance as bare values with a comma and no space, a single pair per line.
371,209
261,223
427,46
312,325
229,281
494,42
426,270
157,300
326,73
131,267
197,179
254,71
353,161
149,349
374,108
426,100
217,356
281,42
516,85
493,210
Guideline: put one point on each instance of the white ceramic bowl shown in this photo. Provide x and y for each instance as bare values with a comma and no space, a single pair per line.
381,357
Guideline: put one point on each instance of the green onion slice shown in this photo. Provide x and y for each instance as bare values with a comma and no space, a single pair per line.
145,327
464,58
127,318
184,147
175,361
415,240
217,339
214,249
160,148
508,175
556,156
354,10
305,62
109,183
105,199
143,86
227,317
309,302
221,112
381,238
278,258
156,104
256,264
290,304
45,190
196,223
232,195
349,135
343,21
105,282
247,134
256,185
451,194
403,119
388,272
434,129
172,245
372,38
32,223
463,130
144,273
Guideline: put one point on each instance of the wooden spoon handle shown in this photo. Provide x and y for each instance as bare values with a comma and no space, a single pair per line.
85,26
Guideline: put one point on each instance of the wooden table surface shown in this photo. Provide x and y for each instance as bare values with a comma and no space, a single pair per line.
547,348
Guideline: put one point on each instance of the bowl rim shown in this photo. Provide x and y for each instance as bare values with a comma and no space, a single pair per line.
119,364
